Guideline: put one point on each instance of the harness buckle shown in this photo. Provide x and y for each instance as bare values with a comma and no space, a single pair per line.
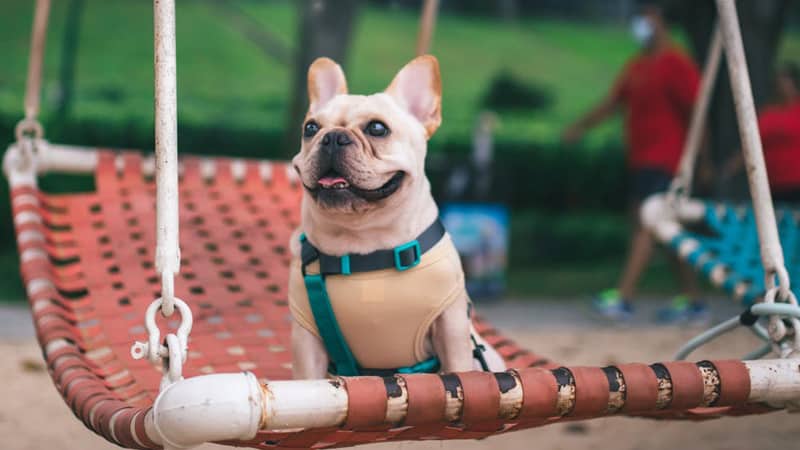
344,264
401,252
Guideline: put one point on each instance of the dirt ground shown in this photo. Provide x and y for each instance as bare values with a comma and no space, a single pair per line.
33,416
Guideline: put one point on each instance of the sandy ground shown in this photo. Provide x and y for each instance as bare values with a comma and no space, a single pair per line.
33,416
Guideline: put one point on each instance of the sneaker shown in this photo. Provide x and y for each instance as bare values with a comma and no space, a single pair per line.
683,310
610,305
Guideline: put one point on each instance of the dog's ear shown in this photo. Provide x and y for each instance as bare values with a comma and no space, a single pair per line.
325,81
418,88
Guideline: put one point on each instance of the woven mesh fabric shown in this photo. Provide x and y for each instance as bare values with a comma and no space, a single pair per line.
729,238
91,278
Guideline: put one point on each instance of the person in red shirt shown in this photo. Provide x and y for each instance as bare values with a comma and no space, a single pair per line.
656,92
779,126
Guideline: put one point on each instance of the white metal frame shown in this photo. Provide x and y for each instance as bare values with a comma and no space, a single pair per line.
235,406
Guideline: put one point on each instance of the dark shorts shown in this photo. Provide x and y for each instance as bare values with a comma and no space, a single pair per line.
646,181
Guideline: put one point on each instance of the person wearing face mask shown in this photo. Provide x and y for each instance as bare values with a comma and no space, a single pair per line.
655,92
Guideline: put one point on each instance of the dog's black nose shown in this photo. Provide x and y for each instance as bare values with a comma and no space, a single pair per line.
335,139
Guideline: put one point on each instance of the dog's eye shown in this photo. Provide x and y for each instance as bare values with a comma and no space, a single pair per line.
310,129
377,128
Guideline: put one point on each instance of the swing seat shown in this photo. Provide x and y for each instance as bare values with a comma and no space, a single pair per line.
86,261
720,241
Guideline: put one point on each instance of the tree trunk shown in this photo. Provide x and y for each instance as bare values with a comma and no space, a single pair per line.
69,56
762,25
325,29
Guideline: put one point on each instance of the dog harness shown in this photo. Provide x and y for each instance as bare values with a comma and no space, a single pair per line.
373,311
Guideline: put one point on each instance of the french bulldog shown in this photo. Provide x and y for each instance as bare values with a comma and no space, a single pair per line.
362,165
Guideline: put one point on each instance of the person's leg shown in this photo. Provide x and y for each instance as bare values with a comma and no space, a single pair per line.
616,303
639,253
686,277
688,306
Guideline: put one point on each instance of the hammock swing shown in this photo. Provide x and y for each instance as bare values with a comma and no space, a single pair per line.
720,240
89,271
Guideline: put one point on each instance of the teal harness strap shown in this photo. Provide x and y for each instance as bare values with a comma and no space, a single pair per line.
428,366
332,337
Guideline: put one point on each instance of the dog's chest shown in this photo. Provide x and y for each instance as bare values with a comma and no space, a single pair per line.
385,315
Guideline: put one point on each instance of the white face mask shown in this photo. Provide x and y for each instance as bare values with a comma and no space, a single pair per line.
642,30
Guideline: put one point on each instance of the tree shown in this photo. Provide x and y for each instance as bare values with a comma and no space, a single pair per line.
762,27
325,29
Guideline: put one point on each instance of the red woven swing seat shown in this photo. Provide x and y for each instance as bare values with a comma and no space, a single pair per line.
91,279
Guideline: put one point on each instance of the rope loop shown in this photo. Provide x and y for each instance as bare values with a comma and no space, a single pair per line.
776,328
24,159
785,340
784,285
29,128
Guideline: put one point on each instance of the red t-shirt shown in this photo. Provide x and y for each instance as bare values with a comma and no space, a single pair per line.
780,136
658,92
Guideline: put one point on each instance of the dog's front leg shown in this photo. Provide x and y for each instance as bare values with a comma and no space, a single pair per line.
309,358
450,336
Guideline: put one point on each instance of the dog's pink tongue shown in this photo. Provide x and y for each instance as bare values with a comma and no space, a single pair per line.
327,182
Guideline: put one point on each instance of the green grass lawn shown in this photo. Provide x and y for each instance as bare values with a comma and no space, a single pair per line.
225,80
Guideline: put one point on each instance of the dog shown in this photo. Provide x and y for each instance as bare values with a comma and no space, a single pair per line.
362,165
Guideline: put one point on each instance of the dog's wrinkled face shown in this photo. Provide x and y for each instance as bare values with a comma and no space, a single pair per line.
361,152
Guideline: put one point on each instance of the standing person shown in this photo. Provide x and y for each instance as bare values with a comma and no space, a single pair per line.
779,126
656,92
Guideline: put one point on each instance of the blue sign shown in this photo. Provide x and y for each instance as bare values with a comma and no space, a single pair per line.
480,232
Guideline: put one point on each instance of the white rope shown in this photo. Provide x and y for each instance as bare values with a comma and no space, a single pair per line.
167,261
771,251
38,40
427,22
20,161
682,184
174,351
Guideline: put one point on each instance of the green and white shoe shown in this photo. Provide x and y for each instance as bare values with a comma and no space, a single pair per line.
610,305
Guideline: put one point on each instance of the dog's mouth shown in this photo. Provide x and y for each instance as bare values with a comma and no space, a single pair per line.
335,185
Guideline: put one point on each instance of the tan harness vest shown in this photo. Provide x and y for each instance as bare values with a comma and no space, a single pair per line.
385,315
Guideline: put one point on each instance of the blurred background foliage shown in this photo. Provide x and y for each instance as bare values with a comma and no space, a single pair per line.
538,64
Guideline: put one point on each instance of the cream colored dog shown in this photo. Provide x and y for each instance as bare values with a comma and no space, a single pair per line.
362,163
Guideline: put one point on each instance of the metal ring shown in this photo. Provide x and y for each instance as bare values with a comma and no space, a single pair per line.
173,363
155,350
776,328
29,128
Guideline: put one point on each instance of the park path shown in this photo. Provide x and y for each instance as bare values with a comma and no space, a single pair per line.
540,314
